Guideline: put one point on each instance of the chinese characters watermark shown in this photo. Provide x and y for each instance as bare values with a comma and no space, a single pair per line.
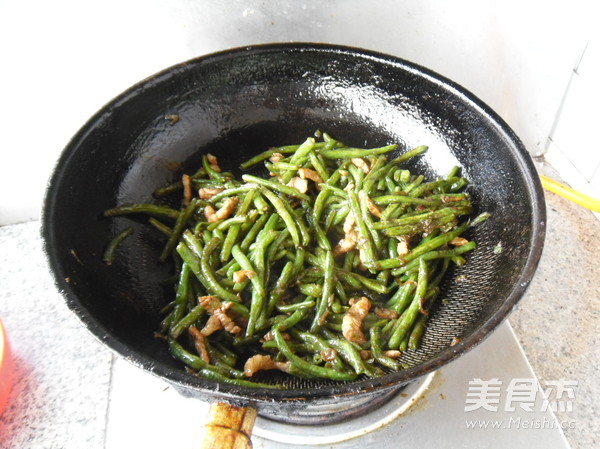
558,395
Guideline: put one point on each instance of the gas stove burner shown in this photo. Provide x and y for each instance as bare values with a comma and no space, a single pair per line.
377,416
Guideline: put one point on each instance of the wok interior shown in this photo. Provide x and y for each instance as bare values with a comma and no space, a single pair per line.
236,106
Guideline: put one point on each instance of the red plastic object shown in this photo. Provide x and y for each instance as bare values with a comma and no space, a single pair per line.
6,369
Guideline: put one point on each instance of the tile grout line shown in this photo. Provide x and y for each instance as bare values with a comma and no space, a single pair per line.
109,393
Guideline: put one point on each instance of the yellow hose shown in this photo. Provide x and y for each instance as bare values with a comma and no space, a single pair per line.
570,194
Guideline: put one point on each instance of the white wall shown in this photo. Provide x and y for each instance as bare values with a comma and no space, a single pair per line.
63,59
573,146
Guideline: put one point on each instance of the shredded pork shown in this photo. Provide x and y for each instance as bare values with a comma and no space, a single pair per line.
348,243
199,343
212,161
206,193
225,211
217,309
261,362
353,319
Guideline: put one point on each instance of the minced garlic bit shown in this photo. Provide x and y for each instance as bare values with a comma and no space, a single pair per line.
276,157
458,241
359,162
241,275
353,318
328,354
307,173
387,314
402,247
301,185
365,354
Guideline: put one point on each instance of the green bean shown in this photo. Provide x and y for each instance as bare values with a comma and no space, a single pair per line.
283,241
260,204
218,377
431,255
480,218
245,264
335,190
351,153
182,293
253,232
416,218
275,246
159,225
267,154
363,199
410,154
319,165
351,355
302,152
229,242
292,320
371,284
306,304
197,363
389,199
178,229
192,316
231,192
109,253
279,206
375,337
211,172
144,209
327,291
282,188
213,284
364,241
320,345
376,173
314,290
298,215
280,286
306,367
358,176
413,184
407,319
400,300
423,247
425,226
279,166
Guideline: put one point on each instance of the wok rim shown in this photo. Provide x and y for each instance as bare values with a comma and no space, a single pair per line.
247,395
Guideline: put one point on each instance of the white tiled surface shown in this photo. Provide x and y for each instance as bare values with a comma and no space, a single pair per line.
64,59
59,398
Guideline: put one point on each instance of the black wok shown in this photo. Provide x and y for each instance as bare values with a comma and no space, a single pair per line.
236,103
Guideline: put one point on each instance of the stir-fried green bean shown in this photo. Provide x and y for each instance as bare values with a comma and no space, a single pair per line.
328,268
